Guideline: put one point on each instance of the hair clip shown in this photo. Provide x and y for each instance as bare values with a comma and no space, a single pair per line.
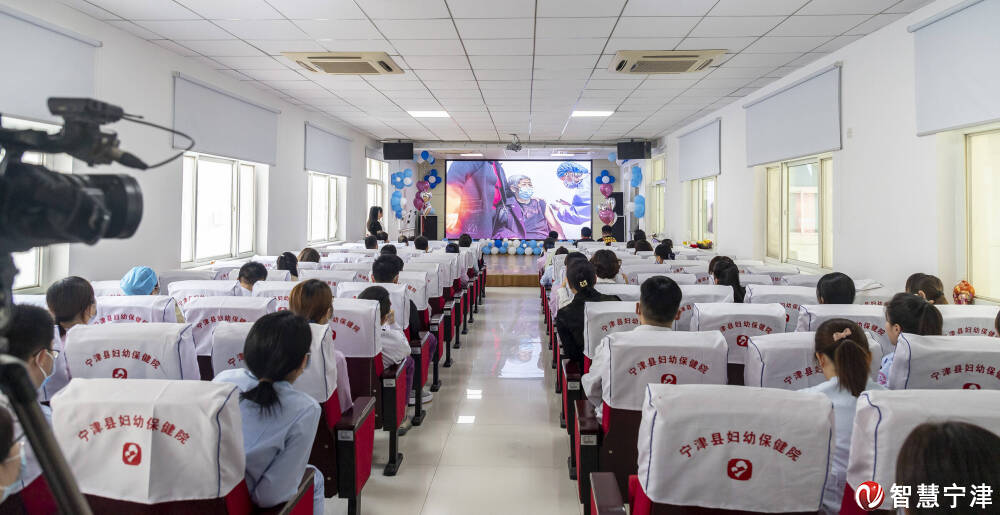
841,335
583,283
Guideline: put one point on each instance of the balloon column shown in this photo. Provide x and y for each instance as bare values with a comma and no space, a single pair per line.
513,247
422,199
606,209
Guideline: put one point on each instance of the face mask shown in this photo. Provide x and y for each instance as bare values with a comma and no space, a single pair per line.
576,184
49,374
525,193
21,467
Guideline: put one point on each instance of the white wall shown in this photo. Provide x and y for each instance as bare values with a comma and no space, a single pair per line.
137,75
897,197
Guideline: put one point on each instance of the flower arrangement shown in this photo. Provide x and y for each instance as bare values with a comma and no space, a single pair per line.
703,244
964,293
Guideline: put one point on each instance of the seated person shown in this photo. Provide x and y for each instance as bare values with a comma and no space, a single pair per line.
607,266
928,287
371,242
386,269
563,294
288,261
718,259
549,267
250,274
11,450
639,235
402,240
907,313
465,240
309,255
643,246
30,340
727,274
608,234
140,280
835,288
71,303
421,243
553,235
546,258
630,244
586,235
659,300
279,422
382,236
664,251
451,248
388,249
580,278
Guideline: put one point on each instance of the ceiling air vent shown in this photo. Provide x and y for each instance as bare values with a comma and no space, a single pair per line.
662,61
345,63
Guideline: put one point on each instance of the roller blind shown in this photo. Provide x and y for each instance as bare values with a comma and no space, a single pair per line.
224,124
955,57
326,152
699,152
40,61
800,120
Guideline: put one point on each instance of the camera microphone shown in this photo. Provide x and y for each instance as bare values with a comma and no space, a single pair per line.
127,159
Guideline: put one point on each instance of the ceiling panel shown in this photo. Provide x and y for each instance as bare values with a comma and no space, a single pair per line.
589,8
262,29
276,47
222,9
671,8
729,26
317,9
417,29
519,46
822,7
496,28
408,47
771,44
492,9
756,7
818,25
654,27
90,9
440,62
874,23
147,9
500,62
185,29
403,9
574,27
566,46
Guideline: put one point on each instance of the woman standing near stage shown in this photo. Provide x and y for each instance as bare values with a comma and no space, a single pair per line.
374,223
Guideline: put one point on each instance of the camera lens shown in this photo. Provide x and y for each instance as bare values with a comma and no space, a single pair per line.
122,198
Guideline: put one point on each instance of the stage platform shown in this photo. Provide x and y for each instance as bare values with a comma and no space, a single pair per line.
507,270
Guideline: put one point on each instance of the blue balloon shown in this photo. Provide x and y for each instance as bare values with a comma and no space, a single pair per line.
520,251
612,157
538,251
532,243
497,242
640,206
408,173
432,160
424,155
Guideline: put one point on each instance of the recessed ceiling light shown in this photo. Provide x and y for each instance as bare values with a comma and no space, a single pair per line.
578,114
428,114
471,155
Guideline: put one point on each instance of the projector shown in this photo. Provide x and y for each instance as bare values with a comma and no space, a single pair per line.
515,144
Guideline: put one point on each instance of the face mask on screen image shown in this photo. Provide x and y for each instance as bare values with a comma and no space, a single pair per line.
525,193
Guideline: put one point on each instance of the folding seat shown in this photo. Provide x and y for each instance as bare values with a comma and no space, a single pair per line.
644,253
738,322
222,268
131,351
160,447
790,297
107,288
808,280
363,270
968,319
440,321
308,265
680,279
452,287
135,309
339,257
322,381
693,294
272,275
399,297
720,449
945,362
205,312
698,268
416,283
186,291
607,442
623,291
631,270
356,326
31,300
776,272
743,264
330,277
269,262
166,277
872,292
747,279
886,417
788,361
870,317
280,291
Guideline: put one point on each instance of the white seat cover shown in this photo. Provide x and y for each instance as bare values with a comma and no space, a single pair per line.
416,285
339,257
631,270
448,261
644,253
762,279
867,284
307,265
331,277
435,276
968,320
269,262
399,298
738,322
318,380
723,447
874,297
776,272
277,290
680,279
166,277
131,351
362,270
945,362
809,280
690,267
185,291
107,288
152,442
31,300
205,312
884,419
135,309
356,327
790,297
788,361
603,318
870,317
743,264
623,291
272,275
668,357
693,294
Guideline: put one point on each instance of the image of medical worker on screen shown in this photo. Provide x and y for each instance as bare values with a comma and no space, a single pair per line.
521,215
573,207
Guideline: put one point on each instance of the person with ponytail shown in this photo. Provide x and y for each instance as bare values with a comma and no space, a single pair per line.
718,259
928,287
279,422
563,294
288,261
580,279
727,274
907,313
71,303
843,355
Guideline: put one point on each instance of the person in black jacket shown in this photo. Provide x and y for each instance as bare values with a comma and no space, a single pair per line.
374,220
580,278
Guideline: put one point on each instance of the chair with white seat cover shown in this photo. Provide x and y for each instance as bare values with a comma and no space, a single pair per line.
135,309
272,275
807,280
692,294
869,317
743,265
340,257
399,299
166,277
623,291
788,361
331,277
362,270
775,271
31,300
945,362
186,291
680,279
107,288
790,297
269,262
874,296
280,291
968,319
131,351
307,265
205,312
738,322
762,279
630,271
884,419
222,268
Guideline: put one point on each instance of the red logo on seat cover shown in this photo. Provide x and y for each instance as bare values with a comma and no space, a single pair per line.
742,340
119,373
668,379
739,469
131,454
971,386
333,333
869,495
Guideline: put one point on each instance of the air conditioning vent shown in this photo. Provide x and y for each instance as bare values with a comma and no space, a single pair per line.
662,61
345,63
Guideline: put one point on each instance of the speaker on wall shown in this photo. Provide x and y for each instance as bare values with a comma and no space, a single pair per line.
394,151
635,150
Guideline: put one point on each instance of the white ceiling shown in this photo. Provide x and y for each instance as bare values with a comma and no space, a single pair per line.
504,66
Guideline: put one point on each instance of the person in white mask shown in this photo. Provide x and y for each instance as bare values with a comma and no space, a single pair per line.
13,452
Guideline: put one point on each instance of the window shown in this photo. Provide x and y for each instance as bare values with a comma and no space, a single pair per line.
703,209
218,208
800,212
324,202
983,203
655,223
378,181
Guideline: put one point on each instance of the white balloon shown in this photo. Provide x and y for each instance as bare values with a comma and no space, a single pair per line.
512,251
408,181
496,250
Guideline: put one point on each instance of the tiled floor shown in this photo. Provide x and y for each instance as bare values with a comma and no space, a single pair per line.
491,442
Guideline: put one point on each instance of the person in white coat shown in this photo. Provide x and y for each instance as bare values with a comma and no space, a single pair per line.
71,303
842,352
